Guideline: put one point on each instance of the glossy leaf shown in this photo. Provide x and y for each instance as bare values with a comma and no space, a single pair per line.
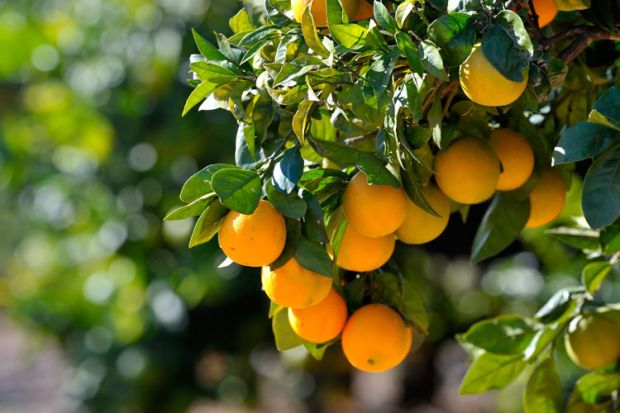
454,36
583,140
501,225
508,334
208,224
543,392
313,256
593,275
238,189
491,371
601,190
288,170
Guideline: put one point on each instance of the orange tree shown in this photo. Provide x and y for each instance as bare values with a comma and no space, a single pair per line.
355,133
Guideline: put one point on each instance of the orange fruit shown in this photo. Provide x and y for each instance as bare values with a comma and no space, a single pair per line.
467,171
374,210
360,253
592,341
375,338
253,240
546,10
421,227
484,84
321,322
547,199
364,11
319,9
516,157
292,285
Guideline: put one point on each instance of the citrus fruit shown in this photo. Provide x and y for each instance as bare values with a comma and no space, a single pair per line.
364,11
546,10
547,198
592,341
375,338
253,240
292,285
484,84
321,322
374,210
467,171
516,157
319,9
420,226
360,253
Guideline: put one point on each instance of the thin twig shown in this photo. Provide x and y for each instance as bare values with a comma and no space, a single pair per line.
584,35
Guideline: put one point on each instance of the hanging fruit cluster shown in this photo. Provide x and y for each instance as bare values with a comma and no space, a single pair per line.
355,135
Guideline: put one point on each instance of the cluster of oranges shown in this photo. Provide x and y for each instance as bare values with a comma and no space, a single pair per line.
374,338
468,171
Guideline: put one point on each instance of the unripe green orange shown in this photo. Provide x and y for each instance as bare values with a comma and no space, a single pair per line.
593,341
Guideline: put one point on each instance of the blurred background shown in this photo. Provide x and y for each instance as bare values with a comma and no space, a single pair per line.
102,306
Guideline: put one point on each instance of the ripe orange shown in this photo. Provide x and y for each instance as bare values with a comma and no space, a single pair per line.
546,10
364,11
374,210
516,157
294,286
547,199
484,84
319,9
467,171
322,322
361,253
593,341
375,338
419,226
253,240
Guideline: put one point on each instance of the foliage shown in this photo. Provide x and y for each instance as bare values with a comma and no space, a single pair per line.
382,96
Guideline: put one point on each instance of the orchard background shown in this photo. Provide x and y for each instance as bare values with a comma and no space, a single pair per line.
106,310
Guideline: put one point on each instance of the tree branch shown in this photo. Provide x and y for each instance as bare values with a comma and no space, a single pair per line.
582,37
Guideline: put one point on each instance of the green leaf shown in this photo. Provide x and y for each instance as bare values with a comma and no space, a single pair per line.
507,334
308,29
502,223
199,184
390,289
350,36
591,387
583,140
208,224
199,94
317,351
580,238
383,17
284,335
409,50
431,60
193,209
313,256
209,72
413,188
293,237
606,110
374,169
314,223
543,392
560,305
610,238
454,36
291,206
336,152
513,24
300,119
491,371
412,306
570,5
504,53
288,170
238,189
593,275
241,22
207,49
379,74
601,190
